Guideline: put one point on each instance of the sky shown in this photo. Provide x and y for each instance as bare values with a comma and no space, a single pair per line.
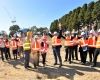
40,13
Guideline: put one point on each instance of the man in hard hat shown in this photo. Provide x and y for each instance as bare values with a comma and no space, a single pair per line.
27,50
91,45
14,47
83,43
97,50
35,51
56,45
7,48
68,46
75,45
2,48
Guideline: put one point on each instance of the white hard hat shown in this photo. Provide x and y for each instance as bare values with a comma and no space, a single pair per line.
67,32
99,30
55,33
38,33
91,31
35,37
15,35
19,35
83,33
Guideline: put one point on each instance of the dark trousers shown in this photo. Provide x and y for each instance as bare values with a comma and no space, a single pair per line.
15,53
3,53
69,52
7,51
83,55
66,51
56,52
75,51
20,51
96,53
27,58
43,58
91,53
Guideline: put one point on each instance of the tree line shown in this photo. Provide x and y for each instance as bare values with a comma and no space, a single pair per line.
86,15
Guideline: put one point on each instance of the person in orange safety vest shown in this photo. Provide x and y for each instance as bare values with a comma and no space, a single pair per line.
14,47
83,43
35,51
7,48
91,45
57,44
97,50
68,46
44,49
75,46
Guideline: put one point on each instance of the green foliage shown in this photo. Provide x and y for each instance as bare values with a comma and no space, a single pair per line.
54,25
35,29
14,28
86,14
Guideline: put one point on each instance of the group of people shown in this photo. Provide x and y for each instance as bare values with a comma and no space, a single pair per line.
38,45
21,47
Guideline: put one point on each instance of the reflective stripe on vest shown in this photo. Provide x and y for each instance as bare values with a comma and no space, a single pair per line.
56,41
36,46
14,44
98,42
44,48
68,41
26,45
91,42
84,42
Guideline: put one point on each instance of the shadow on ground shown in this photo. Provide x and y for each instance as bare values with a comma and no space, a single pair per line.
17,62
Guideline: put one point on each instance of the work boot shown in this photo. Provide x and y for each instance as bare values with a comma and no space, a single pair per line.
55,63
60,65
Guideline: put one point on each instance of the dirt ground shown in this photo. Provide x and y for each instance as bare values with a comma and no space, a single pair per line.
14,70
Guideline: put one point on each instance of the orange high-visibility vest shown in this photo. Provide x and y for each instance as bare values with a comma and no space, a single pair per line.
68,41
75,40
0,41
35,46
98,42
14,44
45,47
7,44
20,42
91,42
83,42
56,41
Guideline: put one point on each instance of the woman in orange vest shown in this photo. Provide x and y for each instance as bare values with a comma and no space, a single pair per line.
68,46
91,45
97,50
35,51
83,43
75,46
44,48
7,48
14,47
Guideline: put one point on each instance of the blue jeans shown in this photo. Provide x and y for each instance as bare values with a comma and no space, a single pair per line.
56,52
